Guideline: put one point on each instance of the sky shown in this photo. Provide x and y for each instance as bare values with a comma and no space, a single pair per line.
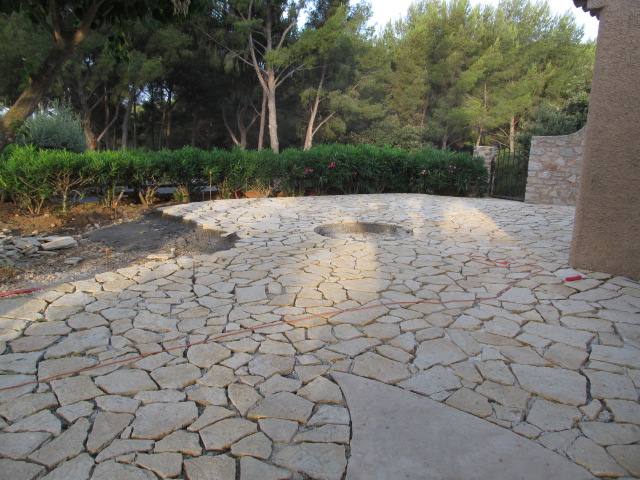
385,10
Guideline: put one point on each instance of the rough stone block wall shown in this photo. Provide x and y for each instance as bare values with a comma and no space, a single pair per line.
487,153
554,169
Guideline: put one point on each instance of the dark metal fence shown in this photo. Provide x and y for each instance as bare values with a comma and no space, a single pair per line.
509,175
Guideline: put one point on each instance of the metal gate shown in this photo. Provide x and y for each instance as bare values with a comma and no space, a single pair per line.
509,175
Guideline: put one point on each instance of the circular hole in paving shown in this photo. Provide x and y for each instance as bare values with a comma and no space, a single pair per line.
363,231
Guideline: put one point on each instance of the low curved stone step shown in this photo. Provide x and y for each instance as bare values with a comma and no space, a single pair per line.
399,434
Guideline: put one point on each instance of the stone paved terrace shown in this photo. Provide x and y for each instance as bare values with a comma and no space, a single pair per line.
555,362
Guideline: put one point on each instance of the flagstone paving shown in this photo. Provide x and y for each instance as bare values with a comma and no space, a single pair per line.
554,362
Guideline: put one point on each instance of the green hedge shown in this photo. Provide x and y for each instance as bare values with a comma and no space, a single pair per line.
31,176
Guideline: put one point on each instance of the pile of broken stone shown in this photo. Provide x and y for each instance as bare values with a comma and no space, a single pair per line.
12,248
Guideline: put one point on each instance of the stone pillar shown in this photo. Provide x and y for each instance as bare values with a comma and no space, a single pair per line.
488,153
606,234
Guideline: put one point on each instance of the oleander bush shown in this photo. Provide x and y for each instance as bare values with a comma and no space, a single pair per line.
30,176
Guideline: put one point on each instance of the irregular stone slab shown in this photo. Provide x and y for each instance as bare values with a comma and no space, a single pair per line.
219,467
74,389
69,444
330,414
575,338
321,390
325,434
18,446
438,351
322,461
34,343
208,354
627,357
28,405
276,348
154,322
506,395
218,376
20,362
78,468
126,382
566,357
609,385
611,433
628,456
176,376
48,328
85,321
251,294
434,380
306,373
60,243
156,420
374,366
208,396
360,317
166,465
243,397
52,368
73,412
470,402
372,285
23,308
496,371
180,441
256,445
117,404
279,430
268,365
251,469
554,384
225,433
624,411
106,427
78,342
552,417
43,421
113,470
124,447
590,455
161,396
211,414
355,347
278,383
285,406
428,440
12,470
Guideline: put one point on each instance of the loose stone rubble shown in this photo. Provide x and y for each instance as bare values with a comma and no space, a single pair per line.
553,361
13,247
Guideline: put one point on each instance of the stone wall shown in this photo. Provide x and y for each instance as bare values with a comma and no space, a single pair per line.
487,153
554,169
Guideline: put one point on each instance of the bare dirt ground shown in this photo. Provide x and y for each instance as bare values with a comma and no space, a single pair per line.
108,239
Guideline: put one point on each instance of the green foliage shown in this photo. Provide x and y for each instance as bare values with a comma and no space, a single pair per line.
57,130
32,176
551,121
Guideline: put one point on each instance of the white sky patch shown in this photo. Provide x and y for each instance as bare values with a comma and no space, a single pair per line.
391,10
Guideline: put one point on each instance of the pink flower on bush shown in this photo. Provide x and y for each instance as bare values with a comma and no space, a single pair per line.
355,173
332,164
308,170
452,168
423,172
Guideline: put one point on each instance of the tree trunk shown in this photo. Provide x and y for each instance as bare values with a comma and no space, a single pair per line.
512,134
308,139
263,118
39,85
127,117
273,116
92,143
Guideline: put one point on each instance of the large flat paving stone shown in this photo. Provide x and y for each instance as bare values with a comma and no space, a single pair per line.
427,440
